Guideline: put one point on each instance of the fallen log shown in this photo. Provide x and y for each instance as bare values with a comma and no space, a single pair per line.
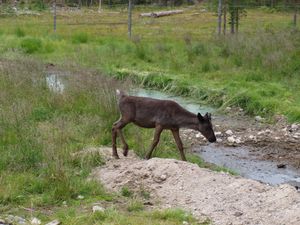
160,14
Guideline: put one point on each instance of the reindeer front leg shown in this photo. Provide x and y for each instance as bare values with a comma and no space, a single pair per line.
158,130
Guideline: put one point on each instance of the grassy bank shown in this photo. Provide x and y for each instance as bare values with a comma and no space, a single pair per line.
257,70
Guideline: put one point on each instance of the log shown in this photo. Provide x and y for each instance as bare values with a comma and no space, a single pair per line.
161,13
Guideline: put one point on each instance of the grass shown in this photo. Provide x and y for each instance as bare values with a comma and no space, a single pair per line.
41,131
186,58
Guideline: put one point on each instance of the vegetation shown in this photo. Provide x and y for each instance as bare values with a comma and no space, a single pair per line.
257,70
42,132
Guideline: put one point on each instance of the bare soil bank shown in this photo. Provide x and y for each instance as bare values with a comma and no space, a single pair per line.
223,198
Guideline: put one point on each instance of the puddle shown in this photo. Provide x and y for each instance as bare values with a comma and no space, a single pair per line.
188,104
247,165
55,83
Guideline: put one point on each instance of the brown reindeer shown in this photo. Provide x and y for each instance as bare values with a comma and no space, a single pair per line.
158,114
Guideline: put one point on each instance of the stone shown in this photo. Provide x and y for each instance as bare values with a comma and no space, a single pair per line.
231,139
229,132
54,222
219,133
35,221
98,208
294,126
281,166
185,223
219,140
251,137
259,118
80,197
163,177
237,214
20,220
198,135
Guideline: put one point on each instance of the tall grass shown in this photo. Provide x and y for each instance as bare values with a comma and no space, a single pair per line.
40,130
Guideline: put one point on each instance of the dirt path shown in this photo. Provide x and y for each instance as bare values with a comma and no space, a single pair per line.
223,198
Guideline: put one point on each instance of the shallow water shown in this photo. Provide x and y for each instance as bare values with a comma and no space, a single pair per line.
247,165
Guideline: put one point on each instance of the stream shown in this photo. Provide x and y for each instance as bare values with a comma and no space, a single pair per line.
239,159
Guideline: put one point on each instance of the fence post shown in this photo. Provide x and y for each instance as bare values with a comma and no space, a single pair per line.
219,17
54,15
129,17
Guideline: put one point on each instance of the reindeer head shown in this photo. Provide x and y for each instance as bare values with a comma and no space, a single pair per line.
205,127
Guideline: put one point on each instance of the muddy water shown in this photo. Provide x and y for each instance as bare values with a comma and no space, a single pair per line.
241,160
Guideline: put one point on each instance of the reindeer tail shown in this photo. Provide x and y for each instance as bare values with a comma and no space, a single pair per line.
120,94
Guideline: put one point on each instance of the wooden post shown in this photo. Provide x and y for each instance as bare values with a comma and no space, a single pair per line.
219,17
100,6
224,18
129,17
54,15
295,14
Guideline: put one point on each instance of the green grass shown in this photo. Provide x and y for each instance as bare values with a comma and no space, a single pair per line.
186,58
40,131
42,134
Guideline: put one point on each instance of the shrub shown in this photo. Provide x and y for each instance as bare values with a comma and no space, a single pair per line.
31,45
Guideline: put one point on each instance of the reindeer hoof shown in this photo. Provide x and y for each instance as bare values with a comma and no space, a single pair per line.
125,152
116,156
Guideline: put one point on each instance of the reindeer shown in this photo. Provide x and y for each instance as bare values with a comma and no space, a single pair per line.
158,114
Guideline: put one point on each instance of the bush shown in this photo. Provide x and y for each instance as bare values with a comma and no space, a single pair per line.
31,45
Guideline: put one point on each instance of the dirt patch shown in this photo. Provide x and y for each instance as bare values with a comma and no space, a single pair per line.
225,199
279,142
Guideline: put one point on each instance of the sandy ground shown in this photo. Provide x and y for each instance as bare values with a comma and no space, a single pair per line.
223,198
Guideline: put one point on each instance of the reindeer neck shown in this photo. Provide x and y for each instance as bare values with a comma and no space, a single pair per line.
188,120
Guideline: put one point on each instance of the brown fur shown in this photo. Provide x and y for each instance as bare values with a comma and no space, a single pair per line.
158,114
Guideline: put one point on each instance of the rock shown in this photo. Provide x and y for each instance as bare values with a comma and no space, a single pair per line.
228,109
20,220
219,133
294,126
281,166
231,139
229,132
35,221
185,223
268,131
237,214
219,140
198,135
54,222
98,208
251,137
259,118
80,197
238,141
276,138
163,177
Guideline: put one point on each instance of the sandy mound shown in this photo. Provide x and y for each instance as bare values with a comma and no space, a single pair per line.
223,198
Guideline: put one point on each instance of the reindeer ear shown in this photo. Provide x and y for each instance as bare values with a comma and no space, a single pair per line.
200,118
208,116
